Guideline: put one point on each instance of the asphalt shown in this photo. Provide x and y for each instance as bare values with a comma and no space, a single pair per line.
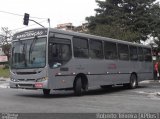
3,79
4,82
28,104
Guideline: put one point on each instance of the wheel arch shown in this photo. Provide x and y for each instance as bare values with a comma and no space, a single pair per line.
134,73
84,80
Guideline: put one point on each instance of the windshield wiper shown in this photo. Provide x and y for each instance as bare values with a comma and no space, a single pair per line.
32,46
24,53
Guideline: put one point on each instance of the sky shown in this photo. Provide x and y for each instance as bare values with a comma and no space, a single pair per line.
59,12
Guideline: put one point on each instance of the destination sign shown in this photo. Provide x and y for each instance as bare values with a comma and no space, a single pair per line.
30,33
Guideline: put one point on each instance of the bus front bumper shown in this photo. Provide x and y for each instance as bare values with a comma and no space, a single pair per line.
24,85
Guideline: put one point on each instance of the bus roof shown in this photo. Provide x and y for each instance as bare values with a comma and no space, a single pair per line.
83,35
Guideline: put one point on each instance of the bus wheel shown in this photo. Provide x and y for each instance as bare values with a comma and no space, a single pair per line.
133,81
78,86
46,92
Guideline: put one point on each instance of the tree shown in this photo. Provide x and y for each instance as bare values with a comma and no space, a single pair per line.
5,39
131,20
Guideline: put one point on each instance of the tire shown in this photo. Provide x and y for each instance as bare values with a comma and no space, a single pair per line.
46,92
133,81
78,86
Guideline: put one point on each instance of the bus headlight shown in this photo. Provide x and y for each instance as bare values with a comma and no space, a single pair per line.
42,79
14,80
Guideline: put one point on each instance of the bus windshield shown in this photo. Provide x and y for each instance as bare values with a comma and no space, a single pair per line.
29,53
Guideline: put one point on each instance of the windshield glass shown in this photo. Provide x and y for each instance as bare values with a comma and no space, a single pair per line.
29,53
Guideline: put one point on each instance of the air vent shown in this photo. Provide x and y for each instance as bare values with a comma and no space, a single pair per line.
29,80
24,73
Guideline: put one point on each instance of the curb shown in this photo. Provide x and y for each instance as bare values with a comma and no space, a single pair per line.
5,85
4,79
150,81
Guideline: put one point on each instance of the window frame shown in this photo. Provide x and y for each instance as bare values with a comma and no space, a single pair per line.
87,48
120,45
63,42
115,49
145,55
140,55
131,58
102,49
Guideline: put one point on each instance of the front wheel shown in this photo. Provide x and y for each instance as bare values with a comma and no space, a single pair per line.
78,86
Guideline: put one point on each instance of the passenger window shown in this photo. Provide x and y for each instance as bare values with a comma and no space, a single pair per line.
123,52
133,53
147,54
110,50
96,49
80,46
140,54
59,53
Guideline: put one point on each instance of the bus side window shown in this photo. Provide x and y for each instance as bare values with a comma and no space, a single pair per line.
133,53
110,50
59,54
140,54
123,52
96,49
147,54
80,46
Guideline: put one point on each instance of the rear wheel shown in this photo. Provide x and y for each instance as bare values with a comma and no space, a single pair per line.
133,81
46,92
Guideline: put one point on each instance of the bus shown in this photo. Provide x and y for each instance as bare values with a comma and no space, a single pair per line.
52,59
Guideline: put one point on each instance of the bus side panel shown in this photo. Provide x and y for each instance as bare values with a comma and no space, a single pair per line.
61,79
123,72
98,72
145,71
61,82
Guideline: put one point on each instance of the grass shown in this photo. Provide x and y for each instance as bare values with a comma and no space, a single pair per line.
4,72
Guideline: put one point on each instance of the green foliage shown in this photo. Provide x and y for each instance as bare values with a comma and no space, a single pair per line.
6,49
4,72
131,20
114,32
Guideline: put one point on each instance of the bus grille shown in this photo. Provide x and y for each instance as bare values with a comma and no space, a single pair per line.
27,80
25,86
24,73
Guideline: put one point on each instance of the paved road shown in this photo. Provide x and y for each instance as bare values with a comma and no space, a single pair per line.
143,99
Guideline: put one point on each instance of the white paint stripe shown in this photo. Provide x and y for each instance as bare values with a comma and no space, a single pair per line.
5,85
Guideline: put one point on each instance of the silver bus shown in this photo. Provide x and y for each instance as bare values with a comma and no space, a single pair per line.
51,59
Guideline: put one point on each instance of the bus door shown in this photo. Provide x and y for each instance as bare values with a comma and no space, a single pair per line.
59,54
